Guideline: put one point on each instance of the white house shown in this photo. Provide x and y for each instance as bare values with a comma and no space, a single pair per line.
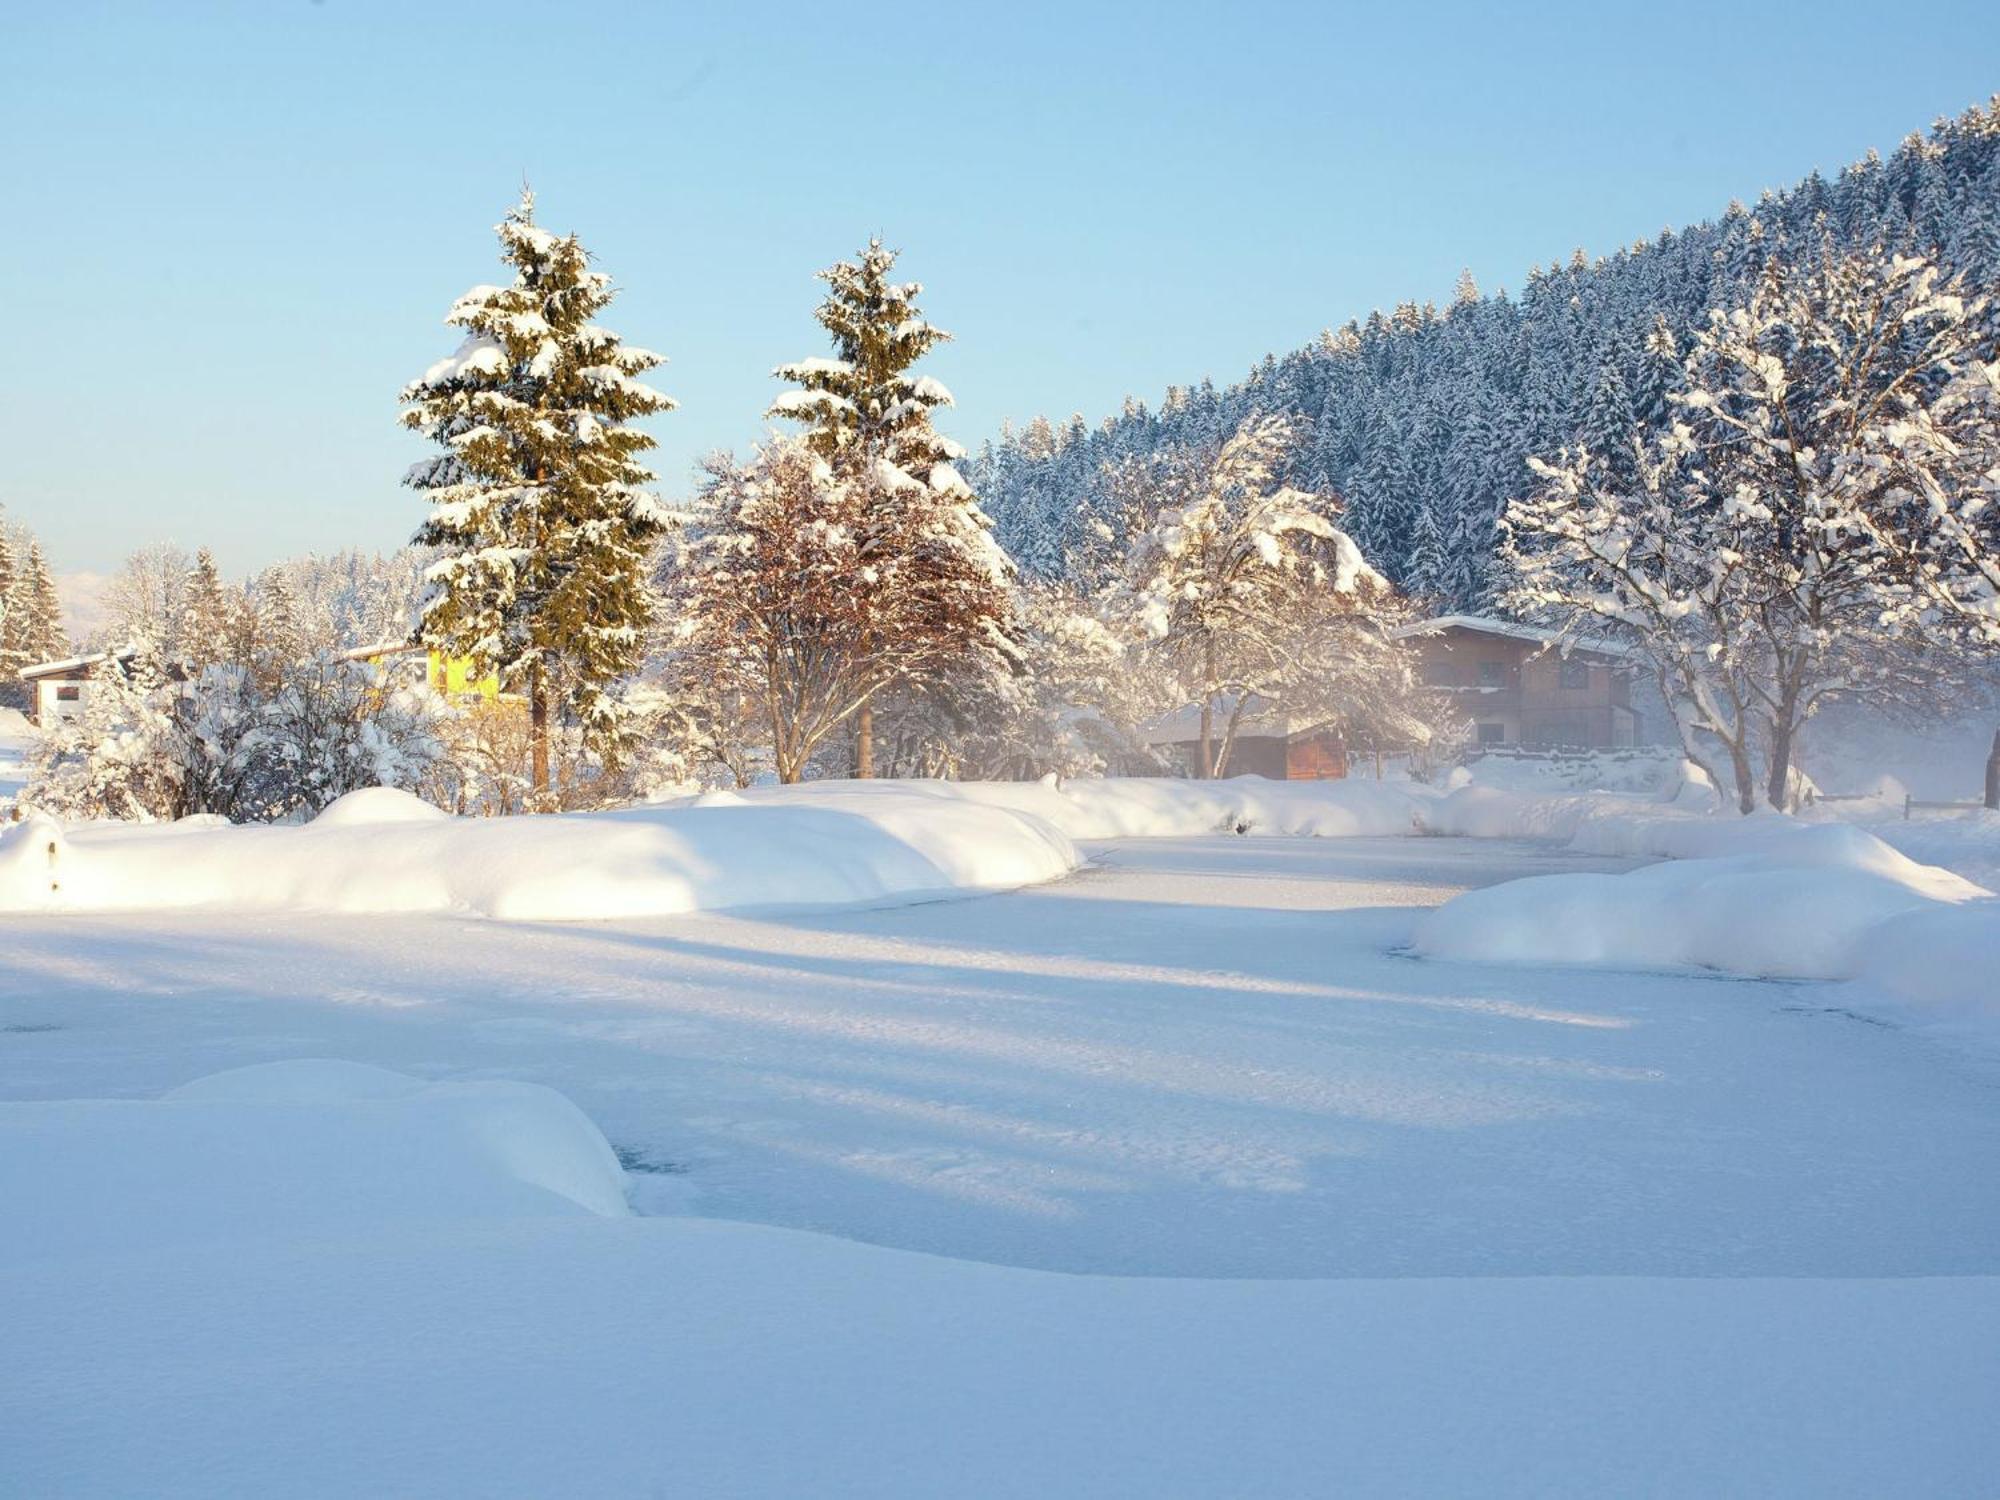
58,690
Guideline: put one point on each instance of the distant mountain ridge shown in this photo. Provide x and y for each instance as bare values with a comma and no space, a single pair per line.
1421,419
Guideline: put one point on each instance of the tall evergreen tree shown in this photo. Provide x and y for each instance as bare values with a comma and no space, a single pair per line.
280,635
869,418
42,635
13,653
204,624
538,501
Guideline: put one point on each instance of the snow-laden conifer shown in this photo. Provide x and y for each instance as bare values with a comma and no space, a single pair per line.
930,574
538,502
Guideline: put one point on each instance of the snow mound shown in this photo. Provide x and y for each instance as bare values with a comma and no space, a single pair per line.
371,852
313,1148
1485,812
374,805
1160,807
1804,905
1939,963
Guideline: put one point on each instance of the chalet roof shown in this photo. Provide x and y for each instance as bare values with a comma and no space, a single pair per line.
71,666
1515,630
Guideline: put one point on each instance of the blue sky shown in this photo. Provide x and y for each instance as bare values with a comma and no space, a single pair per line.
233,230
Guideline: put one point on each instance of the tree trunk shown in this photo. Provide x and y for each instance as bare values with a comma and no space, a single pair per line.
864,743
1993,773
538,729
1746,778
1776,790
1220,766
1205,769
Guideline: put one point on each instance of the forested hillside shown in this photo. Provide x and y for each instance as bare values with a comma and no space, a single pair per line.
1421,418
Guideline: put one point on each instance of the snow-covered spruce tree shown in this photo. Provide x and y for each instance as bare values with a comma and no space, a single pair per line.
1818,526
1245,589
39,610
538,502
204,626
277,636
926,555
13,654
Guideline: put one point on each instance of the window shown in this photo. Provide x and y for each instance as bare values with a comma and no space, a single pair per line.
69,692
1492,734
1576,674
1493,674
1438,672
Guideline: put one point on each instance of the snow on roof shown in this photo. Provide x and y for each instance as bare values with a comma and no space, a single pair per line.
380,648
1260,721
71,664
1513,630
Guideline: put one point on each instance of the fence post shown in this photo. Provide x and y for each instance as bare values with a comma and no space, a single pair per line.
1993,772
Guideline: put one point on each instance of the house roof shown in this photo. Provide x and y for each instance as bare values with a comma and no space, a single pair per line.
70,666
1517,631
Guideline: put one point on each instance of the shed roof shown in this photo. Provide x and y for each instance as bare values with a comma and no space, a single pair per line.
71,666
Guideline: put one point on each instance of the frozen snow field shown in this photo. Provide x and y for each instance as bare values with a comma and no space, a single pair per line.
1176,1176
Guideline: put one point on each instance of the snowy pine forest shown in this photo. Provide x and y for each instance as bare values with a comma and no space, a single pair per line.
1422,418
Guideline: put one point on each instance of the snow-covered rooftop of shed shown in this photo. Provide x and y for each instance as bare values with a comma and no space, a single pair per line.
1514,630
71,664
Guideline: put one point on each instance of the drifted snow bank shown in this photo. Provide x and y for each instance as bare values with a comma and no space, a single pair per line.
1158,807
827,843
314,1148
1763,897
382,851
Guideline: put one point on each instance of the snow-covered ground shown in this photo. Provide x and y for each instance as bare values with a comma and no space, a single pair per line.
1176,1176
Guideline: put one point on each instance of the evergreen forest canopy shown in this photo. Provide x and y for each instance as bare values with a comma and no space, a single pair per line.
1422,420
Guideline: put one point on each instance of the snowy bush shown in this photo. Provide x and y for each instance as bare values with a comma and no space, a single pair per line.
159,742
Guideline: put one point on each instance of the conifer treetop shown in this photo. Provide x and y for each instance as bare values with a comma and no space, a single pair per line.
863,400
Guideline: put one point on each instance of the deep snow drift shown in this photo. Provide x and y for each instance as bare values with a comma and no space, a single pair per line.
384,851
827,843
290,1149
1764,897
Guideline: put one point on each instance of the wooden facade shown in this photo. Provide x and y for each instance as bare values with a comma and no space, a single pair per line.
1515,687
1275,752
